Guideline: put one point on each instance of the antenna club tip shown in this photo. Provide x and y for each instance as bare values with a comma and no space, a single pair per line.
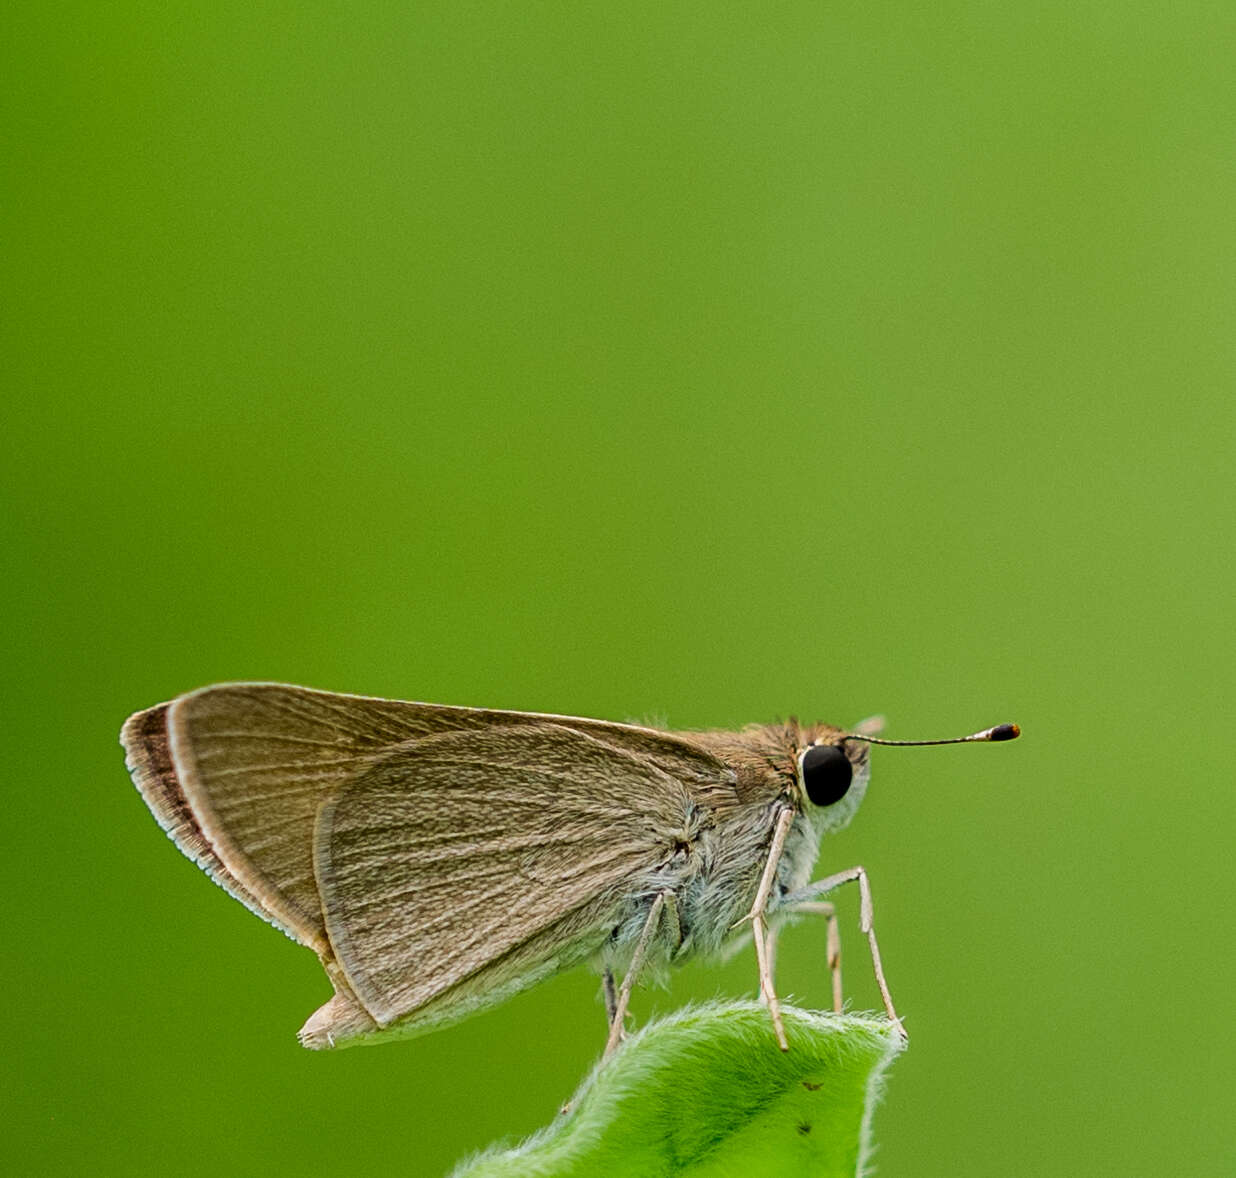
1005,732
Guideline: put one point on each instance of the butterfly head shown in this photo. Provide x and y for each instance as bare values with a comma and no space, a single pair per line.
832,777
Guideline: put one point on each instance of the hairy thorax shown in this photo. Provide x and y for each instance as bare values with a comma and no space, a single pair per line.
714,863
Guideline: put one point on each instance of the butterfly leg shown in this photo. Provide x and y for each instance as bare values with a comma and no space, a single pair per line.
822,887
759,927
628,979
825,909
611,1011
611,996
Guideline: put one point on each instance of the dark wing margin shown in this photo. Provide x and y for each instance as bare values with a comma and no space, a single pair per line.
479,858
148,759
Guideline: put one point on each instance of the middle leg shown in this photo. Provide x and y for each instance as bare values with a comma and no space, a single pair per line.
825,909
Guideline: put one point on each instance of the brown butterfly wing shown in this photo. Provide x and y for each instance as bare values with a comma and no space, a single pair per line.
236,774
465,865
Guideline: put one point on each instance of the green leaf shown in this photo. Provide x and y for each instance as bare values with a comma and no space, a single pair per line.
706,1093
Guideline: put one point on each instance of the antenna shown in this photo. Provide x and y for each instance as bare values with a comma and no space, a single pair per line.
999,732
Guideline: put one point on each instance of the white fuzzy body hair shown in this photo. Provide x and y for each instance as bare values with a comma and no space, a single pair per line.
711,888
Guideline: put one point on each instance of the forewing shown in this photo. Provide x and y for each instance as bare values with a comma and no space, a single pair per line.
458,856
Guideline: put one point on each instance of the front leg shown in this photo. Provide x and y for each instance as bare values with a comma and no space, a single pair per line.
822,887
759,926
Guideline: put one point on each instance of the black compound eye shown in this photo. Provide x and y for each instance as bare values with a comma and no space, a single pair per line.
826,774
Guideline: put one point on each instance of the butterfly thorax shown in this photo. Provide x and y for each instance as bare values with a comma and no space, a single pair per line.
711,877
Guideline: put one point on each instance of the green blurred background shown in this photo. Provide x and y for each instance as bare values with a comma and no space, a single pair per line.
706,362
